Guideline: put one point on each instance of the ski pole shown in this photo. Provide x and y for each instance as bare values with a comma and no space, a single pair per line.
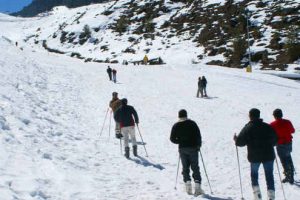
177,173
283,192
104,121
109,125
205,171
142,139
238,159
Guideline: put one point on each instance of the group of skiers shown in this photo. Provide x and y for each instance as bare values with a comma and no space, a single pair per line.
112,74
202,82
260,139
125,117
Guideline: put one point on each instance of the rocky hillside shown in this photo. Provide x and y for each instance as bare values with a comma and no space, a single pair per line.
211,31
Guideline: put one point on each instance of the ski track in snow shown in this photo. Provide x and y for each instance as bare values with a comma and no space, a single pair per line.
52,108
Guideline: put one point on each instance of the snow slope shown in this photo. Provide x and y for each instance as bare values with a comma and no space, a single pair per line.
52,108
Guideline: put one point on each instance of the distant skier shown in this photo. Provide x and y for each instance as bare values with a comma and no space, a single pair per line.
115,104
284,130
260,139
114,75
124,116
200,88
204,83
109,72
186,133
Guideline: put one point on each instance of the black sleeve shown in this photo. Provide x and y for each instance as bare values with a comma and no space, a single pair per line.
241,139
273,137
135,115
198,135
173,136
117,116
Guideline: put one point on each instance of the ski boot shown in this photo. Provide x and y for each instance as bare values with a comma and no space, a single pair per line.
198,189
271,195
127,152
188,187
257,193
134,150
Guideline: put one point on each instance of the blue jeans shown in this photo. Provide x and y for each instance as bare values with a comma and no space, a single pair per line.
268,167
284,153
189,159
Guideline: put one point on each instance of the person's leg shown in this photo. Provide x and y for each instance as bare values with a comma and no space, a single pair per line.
118,130
254,180
204,91
284,154
125,133
185,165
289,163
133,140
268,167
193,156
198,92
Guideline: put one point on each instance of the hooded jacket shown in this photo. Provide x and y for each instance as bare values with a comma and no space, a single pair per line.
124,115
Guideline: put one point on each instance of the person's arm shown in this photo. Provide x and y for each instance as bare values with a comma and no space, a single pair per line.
291,127
117,115
273,136
241,139
173,136
198,136
135,115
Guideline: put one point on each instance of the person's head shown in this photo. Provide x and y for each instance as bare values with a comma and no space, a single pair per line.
254,114
203,77
277,113
108,66
124,101
199,78
182,113
115,95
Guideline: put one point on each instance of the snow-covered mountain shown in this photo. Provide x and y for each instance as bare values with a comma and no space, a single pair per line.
212,31
52,108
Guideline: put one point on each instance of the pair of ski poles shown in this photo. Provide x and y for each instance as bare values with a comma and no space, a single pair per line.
203,168
110,116
238,159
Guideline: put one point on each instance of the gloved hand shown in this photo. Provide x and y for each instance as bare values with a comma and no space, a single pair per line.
235,137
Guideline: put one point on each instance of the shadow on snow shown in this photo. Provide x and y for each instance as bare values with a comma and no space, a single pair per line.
207,196
146,163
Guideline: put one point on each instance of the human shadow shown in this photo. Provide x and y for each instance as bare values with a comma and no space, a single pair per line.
297,183
139,143
207,196
146,163
209,97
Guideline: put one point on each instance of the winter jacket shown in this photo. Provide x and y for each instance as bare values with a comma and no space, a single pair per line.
204,82
109,70
124,116
115,104
284,130
200,85
260,139
186,133
114,71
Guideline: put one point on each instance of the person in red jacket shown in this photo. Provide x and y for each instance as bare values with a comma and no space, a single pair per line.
284,130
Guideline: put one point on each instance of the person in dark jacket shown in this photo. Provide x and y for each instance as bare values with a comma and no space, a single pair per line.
115,104
284,130
260,139
186,134
109,72
114,75
200,88
204,83
124,116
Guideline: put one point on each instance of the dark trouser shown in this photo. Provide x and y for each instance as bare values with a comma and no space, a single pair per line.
200,91
268,167
284,153
189,159
109,75
204,91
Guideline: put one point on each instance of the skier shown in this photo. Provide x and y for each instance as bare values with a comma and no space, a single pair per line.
124,116
115,104
114,75
186,133
109,71
260,139
204,83
200,88
284,130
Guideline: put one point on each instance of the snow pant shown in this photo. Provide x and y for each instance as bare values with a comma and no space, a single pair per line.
204,91
109,76
114,78
189,159
200,90
126,132
268,167
284,153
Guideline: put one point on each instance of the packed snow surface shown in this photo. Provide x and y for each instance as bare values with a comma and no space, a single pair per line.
52,108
